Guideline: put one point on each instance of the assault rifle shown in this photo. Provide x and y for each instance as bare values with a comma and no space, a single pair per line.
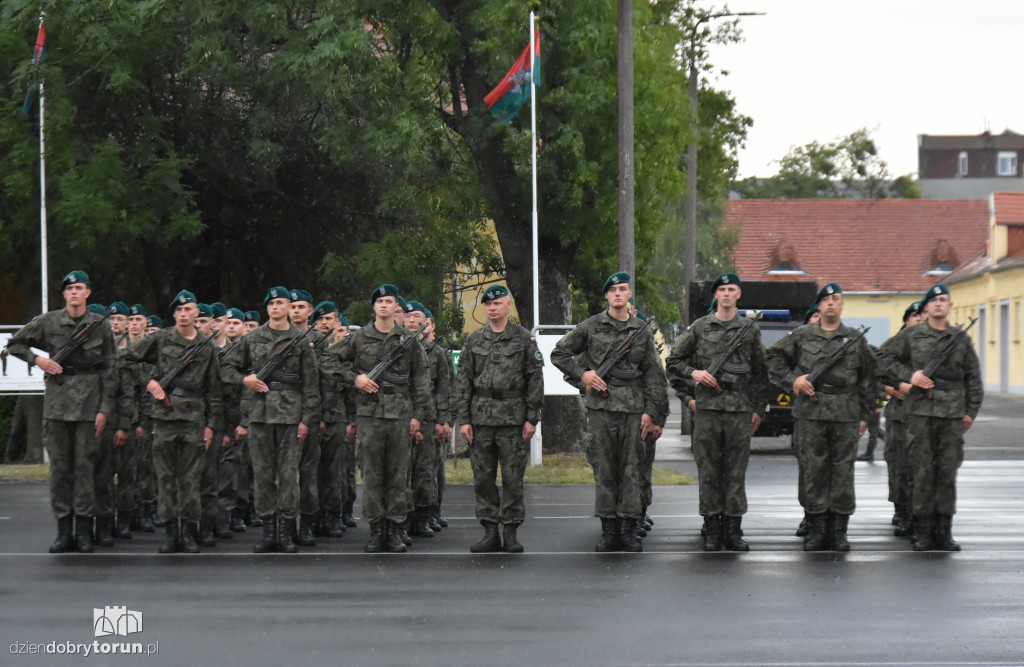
394,354
179,367
616,355
716,365
929,370
226,350
826,364
78,339
281,355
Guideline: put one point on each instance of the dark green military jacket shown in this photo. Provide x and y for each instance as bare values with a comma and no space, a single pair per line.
846,393
90,376
501,378
294,396
232,391
123,416
440,383
641,387
958,387
744,378
196,394
337,398
406,398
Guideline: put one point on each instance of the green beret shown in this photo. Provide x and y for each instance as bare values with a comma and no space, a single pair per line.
342,320
810,311
301,295
413,306
725,279
403,303
137,309
714,305
99,309
251,316
154,321
74,277
615,279
218,309
641,316
387,289
235,314
935,291
323,308
184,296
912,309
277,293
429,315
494,292
828,290
119,308
205,310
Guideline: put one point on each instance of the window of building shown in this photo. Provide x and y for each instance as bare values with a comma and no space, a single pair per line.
784,268
1007,163
962,164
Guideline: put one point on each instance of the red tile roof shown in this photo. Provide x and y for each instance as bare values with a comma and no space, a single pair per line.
862,244
1009,207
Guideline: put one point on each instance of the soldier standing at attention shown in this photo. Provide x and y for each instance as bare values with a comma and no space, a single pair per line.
498,403
153,324
729,410
389,411
309,462
334,422
79,396
251,319
622,410
938,410
829,417
276,415
185,416
229,516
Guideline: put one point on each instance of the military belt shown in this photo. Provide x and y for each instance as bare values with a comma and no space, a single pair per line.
832,389
286,378
71,370
283,386
946,385
394,378
946,374
189,385
618,382
391,389
500,394
732,386
735,369
623,374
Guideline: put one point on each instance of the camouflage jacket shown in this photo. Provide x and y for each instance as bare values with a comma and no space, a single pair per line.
232,392
196,394
595,339
846,393
958,387
501,378
360,352
744,378
90,377
123,416
337,398
294,396
441,388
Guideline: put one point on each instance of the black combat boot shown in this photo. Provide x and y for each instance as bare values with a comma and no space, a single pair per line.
801,530
378,539
334,524
83,534
418,526
431,515
251,518
170,545
922,538
122,527
641,528
347,516
401,529
222,525
647,521
943,533
189,531
609,536
268,544
65,541
840,523
439,515
147,514
235,522
284,536
628,536
734,534
306,538
817,533
394,539
490,542
104,531
869,453
207,524
511,542
713,533
903,526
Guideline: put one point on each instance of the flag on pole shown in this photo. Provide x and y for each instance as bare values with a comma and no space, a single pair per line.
38,54
514,90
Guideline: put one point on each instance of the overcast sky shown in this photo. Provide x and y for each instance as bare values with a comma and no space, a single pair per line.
818,70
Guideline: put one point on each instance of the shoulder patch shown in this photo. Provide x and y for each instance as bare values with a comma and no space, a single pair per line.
688,328
789,333
540,357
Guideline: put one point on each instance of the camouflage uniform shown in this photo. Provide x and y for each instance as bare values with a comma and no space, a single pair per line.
145,477
309,460
826,432
337,455
721,427
896,457
382,419
117,462
614,422
500,389
70,409
272,418
442,444
424,459
229,466
178,431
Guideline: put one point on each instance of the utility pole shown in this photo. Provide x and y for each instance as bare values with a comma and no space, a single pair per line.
627,236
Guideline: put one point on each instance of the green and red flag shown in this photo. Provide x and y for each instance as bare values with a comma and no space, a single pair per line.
514,90
38,54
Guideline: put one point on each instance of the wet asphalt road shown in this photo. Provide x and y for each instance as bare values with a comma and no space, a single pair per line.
560,603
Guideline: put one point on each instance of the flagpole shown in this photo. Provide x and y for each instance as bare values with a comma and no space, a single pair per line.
537,443
42,185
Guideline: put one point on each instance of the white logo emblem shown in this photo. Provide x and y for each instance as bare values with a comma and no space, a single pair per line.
828,290
181,298
116,621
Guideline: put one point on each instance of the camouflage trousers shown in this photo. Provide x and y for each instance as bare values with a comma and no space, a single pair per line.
493,446
125,465
335,455
827,451
898,462
211,472
145,476
721,450
276,450
227,473
423,482
103,478
309,471
646,467
73,449
615,453
936,450
244,482
442,456
178,455
384,458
